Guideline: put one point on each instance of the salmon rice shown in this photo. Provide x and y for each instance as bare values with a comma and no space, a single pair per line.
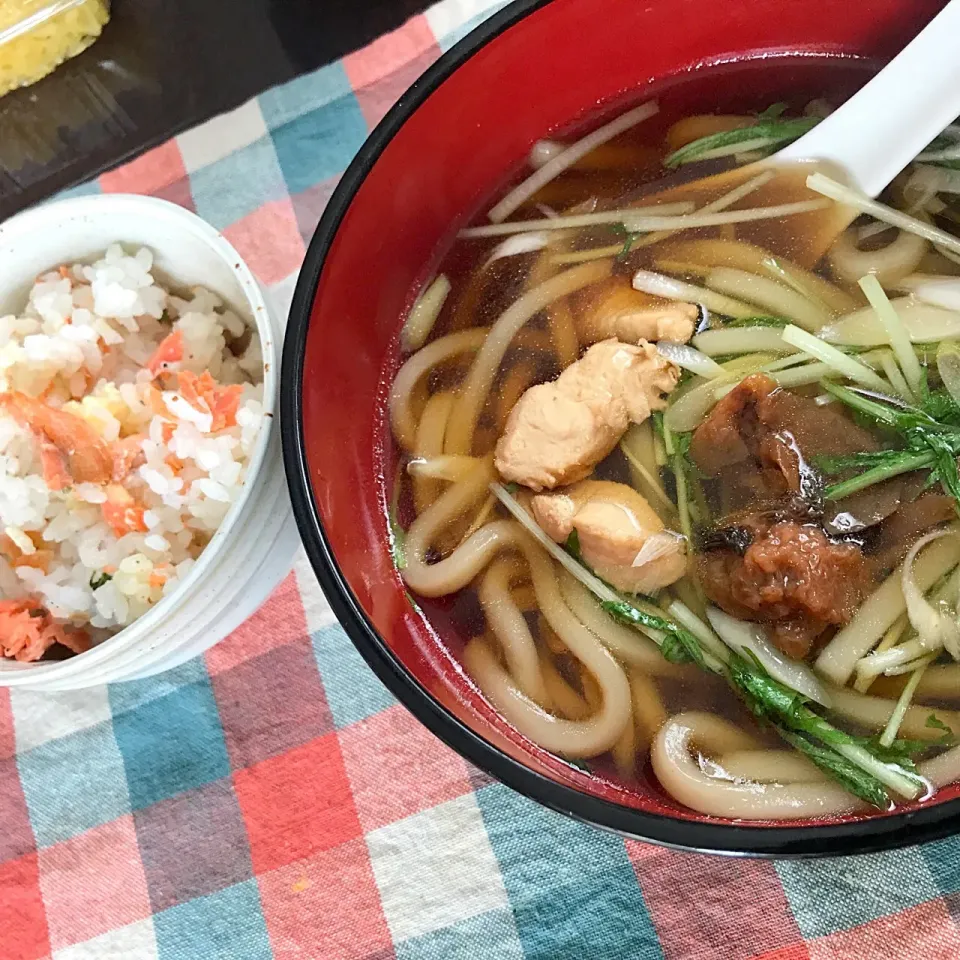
128,415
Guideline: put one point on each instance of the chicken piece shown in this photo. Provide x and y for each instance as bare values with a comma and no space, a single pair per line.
559,431
620,535
792,578
615,309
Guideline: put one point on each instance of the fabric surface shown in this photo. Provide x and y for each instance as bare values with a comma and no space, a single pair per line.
272,800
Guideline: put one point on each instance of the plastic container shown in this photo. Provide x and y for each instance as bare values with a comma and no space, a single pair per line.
36,36
254,547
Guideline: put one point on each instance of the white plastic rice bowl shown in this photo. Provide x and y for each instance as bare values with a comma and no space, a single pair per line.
89,290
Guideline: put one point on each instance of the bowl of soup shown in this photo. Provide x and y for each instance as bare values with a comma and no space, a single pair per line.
627,455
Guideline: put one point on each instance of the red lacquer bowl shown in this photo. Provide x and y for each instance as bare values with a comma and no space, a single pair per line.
533,69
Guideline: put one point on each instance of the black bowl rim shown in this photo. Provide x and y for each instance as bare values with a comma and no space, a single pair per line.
862,836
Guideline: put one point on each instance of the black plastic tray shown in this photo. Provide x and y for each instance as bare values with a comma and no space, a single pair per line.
162,66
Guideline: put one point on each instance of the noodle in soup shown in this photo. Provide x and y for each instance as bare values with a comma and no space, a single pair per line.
678,432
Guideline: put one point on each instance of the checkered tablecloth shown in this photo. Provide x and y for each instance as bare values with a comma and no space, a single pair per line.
272,800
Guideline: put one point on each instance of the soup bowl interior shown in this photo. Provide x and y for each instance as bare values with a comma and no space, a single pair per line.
533,70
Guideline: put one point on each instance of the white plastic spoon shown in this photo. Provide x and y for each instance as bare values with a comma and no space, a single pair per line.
865,143
883,126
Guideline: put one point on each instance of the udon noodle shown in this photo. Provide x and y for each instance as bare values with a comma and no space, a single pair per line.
679,430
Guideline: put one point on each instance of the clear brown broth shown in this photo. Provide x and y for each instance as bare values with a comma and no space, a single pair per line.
628,168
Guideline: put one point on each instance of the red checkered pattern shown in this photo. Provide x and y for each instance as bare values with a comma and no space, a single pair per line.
297,804
269,240
106,860
336,884
441,774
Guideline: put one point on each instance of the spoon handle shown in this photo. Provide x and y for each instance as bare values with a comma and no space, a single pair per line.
883,126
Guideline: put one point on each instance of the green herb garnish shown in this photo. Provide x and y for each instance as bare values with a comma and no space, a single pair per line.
773,112
680,645
629,238
681,446
759,321
656,418
847,774
939,404
901,751
97,580
929,436
939,144
774,133
788,710
859,764
398,542
935,723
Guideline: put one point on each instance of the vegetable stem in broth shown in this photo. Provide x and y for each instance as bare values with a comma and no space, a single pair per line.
682,454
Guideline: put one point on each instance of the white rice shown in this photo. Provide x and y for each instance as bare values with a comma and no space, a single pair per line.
81,344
